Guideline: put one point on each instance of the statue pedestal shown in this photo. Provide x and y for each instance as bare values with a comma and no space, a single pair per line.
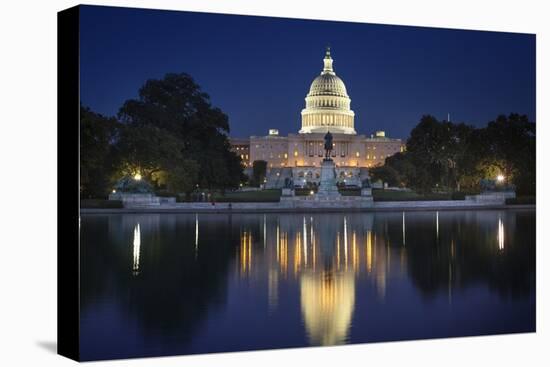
327,187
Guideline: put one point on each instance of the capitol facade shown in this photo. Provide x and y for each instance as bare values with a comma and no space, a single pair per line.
297,157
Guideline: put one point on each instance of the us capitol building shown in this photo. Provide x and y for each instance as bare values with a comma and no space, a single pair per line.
298,157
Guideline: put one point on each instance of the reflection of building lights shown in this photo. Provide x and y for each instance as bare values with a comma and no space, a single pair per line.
381,282
338,249
305,241
137,177
273,289
369,251
283,260
327,300
500,235
355,252
297,253
246,252
346,241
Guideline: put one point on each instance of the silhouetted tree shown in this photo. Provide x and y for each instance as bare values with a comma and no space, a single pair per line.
175,106
97,155
457,156
259,169
510,145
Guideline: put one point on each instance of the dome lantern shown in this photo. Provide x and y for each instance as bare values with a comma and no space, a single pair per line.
327,63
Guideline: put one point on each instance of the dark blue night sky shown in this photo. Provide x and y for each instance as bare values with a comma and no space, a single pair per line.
258,69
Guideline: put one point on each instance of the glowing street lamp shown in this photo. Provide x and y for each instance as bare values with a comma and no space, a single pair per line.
137,177
311,192
500,178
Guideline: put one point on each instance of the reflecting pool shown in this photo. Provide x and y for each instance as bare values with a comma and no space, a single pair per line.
162,284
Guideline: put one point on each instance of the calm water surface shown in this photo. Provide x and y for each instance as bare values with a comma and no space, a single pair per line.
160,284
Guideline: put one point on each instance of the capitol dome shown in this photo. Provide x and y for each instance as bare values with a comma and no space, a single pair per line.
328,104
328,85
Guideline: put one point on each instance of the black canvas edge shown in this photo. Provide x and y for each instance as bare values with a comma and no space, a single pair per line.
68,182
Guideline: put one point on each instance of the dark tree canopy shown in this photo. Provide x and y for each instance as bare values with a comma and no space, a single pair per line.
180,125
510,145
259,170
456,156
97,153
170,134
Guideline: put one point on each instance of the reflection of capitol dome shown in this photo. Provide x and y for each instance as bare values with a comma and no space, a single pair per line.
328,299
328,104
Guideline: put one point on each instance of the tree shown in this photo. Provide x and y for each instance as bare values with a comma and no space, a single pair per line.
457,156
428,150
444,154
259,169
385,173
397,171
97,154
182,178
147,150
510,145
176,109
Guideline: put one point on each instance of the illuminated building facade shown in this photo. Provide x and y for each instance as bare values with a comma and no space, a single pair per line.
298,156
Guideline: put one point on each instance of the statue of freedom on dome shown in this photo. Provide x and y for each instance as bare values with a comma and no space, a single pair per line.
328,145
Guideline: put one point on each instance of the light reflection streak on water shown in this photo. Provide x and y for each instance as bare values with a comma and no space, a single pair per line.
136,249
500,236
245,252
346,242
305,241
196,235
368,251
